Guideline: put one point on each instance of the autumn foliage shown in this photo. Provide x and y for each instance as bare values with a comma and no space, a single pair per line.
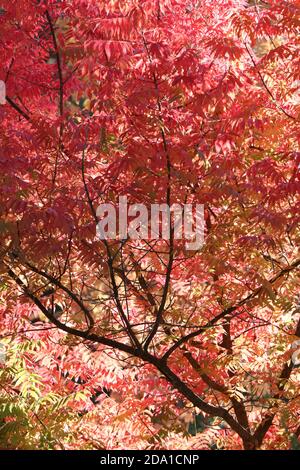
140,344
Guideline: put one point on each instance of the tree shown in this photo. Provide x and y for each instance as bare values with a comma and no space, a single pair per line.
163,102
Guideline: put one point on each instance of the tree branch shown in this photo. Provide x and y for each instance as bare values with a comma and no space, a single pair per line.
230,310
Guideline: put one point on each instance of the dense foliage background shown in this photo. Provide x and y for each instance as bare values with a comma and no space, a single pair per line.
143,344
